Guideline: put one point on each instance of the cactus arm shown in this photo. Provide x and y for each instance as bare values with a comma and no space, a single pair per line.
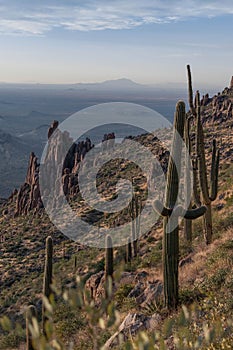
195,213
160,209
190,214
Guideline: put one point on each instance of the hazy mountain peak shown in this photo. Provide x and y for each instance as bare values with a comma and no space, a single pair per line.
122,83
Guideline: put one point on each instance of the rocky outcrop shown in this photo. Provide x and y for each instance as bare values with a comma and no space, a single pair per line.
145,292
95,285
28,196
205,100
231,83
131,325
108,141
52,128
218,109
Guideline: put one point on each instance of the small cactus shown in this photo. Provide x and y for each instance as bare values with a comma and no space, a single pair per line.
108,257
134,211
75,263
48,273
30,314
128,255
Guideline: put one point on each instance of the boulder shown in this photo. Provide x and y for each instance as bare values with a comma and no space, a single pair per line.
131,325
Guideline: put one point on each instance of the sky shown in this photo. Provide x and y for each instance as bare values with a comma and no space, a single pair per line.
149,41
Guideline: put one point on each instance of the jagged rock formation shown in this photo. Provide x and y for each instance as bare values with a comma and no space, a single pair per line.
28,197
52,128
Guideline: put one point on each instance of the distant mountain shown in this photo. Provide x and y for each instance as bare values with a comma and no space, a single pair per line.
118,84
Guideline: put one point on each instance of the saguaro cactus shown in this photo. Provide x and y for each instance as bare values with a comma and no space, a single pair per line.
128,253
187,182
108,257
30,314
134,211
171,212
48,273
207,195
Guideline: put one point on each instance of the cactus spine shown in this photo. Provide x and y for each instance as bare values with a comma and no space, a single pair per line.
30,314
108,257
48,273
170,222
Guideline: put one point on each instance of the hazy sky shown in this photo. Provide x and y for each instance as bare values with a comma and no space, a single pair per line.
149,41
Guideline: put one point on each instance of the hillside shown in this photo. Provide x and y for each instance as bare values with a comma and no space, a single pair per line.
14,153
205,273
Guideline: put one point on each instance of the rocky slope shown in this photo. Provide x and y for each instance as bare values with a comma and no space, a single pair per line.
14,153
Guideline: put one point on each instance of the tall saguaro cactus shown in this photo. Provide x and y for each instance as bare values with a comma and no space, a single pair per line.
208,195
187,182
171,239
171,212
208,192
48,274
